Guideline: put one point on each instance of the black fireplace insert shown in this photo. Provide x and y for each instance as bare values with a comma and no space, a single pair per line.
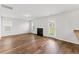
40,31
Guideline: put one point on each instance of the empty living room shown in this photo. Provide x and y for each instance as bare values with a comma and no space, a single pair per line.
39,28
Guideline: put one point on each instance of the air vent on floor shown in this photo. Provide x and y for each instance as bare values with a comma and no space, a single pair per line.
5,6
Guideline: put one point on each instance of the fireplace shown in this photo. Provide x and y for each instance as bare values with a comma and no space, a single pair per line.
40,31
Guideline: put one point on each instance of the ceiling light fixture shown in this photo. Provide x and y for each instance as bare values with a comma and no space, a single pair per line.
28,16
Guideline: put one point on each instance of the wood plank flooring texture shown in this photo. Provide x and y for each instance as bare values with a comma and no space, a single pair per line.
33,44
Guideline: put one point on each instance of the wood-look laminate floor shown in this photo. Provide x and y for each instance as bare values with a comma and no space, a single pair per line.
33,44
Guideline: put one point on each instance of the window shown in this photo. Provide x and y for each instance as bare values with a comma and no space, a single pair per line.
52,28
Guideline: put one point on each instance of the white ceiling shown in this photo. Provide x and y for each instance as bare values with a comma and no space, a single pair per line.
38,10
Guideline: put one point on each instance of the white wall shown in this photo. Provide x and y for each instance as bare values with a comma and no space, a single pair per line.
18,26
65,24
0,26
